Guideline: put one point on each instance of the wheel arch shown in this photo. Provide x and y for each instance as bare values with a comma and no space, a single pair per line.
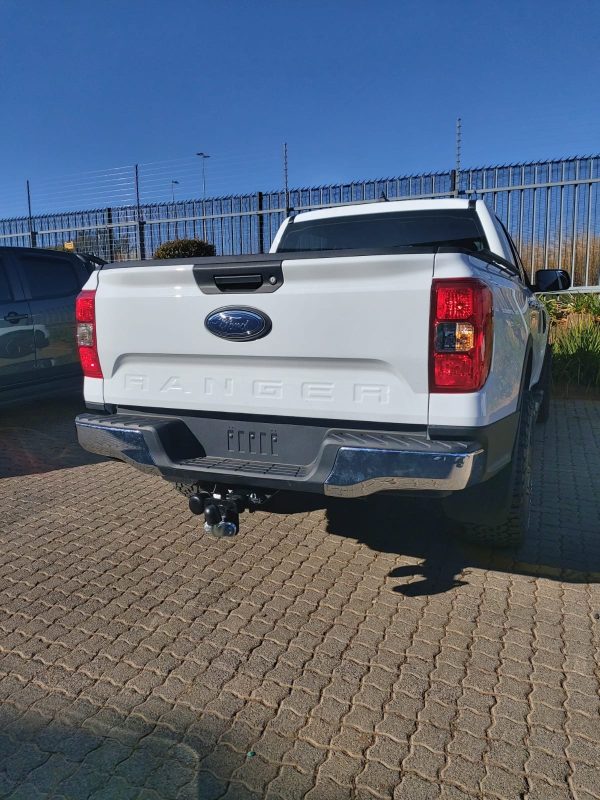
527,369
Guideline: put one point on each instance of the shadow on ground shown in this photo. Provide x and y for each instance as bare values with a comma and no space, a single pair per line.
80,751
39,437
563,540
418,530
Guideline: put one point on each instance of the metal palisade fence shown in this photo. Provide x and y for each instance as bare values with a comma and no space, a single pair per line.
552,209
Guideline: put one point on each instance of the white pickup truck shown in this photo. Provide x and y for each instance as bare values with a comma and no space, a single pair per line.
379,347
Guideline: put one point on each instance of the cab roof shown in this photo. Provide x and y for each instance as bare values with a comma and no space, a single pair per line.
384,206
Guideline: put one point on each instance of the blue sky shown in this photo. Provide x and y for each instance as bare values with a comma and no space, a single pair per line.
357,88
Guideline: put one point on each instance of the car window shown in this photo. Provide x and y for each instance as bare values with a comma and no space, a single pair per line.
507,251
49,277
455,228
516,258
5,291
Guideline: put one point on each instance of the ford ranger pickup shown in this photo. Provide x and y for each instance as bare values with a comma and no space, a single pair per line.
378,347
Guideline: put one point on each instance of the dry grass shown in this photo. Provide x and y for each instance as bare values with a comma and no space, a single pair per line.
569,254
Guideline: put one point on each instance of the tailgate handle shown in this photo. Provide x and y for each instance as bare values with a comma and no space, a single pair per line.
238,283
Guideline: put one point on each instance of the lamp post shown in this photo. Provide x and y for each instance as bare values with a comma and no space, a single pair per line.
203,156
173,185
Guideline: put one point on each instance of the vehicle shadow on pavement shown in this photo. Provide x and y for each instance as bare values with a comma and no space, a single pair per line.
563,539
562,542
418,531
39,437
412,529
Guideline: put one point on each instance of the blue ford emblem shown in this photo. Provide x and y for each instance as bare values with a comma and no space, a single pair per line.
238,324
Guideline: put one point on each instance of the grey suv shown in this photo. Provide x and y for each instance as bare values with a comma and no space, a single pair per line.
38,352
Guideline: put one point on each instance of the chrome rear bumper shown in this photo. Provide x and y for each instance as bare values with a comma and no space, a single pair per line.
164,446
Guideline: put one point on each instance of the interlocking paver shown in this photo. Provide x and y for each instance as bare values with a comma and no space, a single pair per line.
353,650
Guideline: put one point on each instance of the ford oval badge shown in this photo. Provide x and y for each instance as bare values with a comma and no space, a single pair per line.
238,324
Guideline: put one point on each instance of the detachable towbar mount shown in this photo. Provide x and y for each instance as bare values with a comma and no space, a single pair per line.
222,508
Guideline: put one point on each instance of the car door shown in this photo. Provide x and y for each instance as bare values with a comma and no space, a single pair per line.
17,348
51,283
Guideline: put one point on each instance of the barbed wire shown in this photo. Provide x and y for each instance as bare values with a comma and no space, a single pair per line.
158,181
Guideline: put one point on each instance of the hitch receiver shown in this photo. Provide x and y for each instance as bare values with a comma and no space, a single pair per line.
222,509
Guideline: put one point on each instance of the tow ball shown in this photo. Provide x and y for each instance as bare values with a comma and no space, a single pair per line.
222,510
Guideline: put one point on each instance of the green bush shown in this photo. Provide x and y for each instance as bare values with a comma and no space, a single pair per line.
586,304
576,352
185,248
554,307
562,305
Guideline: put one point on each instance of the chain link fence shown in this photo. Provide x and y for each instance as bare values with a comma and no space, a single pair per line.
551,208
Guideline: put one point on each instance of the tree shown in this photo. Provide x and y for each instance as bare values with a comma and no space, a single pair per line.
185,248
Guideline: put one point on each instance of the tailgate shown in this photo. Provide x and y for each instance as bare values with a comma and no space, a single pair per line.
349,339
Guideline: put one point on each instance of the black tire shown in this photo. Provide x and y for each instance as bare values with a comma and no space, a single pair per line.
545,386
496,513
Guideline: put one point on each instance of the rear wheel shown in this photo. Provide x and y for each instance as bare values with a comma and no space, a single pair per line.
496,513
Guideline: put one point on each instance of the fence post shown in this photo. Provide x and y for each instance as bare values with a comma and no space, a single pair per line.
32,233
453,183
110,234
261,224
140,221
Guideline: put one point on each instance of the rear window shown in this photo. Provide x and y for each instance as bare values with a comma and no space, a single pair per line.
49,277
444,228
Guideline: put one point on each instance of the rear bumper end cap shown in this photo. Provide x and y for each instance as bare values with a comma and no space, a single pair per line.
358,472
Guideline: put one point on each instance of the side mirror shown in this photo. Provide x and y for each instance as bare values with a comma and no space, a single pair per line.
552,280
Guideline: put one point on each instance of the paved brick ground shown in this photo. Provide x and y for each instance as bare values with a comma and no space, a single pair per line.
354,652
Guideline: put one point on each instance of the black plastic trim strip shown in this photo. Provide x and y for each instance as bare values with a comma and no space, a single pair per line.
268,258
225,264
97,407
273,419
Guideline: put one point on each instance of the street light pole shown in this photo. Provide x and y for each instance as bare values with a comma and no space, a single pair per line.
32,233
173,185
203,156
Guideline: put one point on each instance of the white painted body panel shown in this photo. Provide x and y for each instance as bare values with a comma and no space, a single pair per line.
349,341
93,390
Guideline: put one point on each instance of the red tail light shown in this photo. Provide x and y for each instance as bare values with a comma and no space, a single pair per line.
85,314
461,335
